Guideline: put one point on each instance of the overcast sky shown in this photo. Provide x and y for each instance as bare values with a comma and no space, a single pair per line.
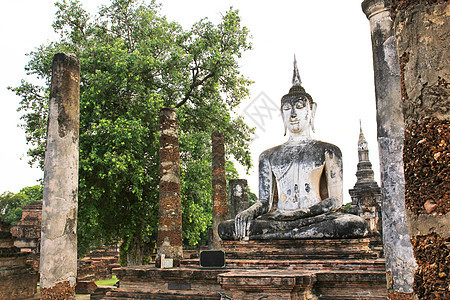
331,40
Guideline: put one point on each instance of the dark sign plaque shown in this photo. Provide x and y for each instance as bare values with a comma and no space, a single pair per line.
212,259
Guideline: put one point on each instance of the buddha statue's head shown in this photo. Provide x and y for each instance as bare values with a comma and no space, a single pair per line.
298,108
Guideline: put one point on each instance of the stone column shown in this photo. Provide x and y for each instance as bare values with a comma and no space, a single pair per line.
400,262
422,33
58,262
219,186
238,196
170,232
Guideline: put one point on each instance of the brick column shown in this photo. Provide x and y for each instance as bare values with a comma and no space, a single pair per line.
170,233
58,262
422,34
400,262
219,186
238,196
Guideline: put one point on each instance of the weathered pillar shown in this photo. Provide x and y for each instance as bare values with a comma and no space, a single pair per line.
238,196
170,233
58,262
400,262
422,33
219,186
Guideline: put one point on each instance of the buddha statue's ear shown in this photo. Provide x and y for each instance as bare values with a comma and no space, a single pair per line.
284,123
313,114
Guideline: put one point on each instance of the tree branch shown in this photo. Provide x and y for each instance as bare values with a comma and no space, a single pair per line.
192,87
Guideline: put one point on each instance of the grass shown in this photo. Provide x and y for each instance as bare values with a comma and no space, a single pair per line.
108,282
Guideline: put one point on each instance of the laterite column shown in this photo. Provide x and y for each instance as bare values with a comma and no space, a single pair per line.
58,265
400,262
219,186
170,233
422,30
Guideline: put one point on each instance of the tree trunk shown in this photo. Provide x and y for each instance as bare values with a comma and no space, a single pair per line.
135,253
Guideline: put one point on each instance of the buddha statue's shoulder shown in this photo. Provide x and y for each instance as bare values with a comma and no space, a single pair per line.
315,147
267,154
324,147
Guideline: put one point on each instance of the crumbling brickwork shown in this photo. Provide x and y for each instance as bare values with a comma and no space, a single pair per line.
17,279
427,172
432,278
422,33
60,291
399,5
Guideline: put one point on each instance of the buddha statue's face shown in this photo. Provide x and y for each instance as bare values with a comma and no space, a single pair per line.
297,115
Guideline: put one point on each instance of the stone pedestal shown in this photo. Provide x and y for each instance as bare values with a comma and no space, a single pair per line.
17,279
238,197
58,263
170,233
400,262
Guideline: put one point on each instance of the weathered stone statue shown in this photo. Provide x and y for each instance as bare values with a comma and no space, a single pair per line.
300,184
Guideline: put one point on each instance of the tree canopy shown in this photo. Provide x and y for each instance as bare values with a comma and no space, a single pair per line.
134,62
11,204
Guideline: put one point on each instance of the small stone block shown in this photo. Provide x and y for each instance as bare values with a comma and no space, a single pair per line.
167,263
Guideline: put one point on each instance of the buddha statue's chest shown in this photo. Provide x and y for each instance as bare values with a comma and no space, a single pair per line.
297,172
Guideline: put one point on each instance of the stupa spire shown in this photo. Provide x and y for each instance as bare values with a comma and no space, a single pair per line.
362,142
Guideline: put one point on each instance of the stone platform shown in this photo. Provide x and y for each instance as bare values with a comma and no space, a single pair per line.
286,269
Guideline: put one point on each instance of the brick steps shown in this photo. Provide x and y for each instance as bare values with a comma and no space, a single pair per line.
294,256
330,269
331,264
120,295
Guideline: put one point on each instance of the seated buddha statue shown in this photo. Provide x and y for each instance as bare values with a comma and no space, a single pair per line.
300,184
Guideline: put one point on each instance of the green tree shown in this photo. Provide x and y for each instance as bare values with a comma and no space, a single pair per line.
11,204
133,62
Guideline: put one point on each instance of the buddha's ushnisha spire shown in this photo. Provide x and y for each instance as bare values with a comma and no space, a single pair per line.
296,80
